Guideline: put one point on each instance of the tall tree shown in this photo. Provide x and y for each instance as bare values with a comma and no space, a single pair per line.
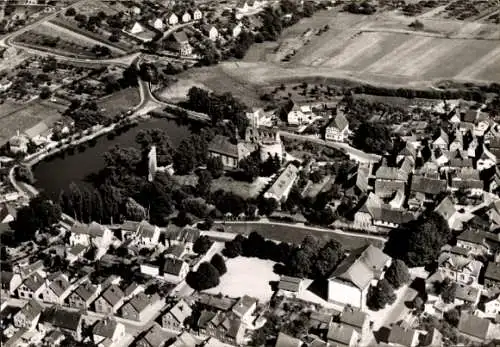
219,263
215,166
398,273
75,195
159,138
204,183
328,258
97,206
380,295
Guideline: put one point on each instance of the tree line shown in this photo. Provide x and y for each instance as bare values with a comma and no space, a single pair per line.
310,259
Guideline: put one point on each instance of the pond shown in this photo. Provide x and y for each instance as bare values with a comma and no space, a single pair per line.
56,173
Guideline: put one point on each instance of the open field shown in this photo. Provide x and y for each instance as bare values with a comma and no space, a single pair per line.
295,234
380,50
119,102
241,272
22,117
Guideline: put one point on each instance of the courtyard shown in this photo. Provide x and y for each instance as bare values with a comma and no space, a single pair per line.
247,276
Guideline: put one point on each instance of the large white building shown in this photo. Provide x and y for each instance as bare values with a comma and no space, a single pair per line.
349,283
281,187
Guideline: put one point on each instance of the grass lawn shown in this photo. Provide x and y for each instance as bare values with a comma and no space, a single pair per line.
295,234
244,189
250,276
119,102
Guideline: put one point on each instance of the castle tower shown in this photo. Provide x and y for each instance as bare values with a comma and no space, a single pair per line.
152,166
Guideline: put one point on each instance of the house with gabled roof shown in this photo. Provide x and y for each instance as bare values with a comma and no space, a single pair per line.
57,289
91,235
291,285
69,322
467,295
338,129
110,300
32,287
108,332
343,335
230,153
28,316
158,24
285,340
442,142
224,326
424,190
83,296
492,277
479,242
174,270
180,43
447,210
197,14
388,180
459,267
154,337
173,19
244,308
357,319
147,235
403,336
10,282
211,31
349,283
175,317
474,328
186,17
137,308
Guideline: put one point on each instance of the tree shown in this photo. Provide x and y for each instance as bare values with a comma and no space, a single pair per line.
448,290
215,166
250,168
419,242
24,174
328,258
204,183
156,137
134,211
206,277
45,93
185,158
267,206
219,263
40,214
234,248
202,245
373,138
418,305
452,316
70,12
380,295
426,238
398,273
299,264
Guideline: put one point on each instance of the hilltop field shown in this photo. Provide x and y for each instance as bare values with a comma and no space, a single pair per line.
381,49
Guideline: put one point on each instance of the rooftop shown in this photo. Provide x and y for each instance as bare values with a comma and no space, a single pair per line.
474,326
361,266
